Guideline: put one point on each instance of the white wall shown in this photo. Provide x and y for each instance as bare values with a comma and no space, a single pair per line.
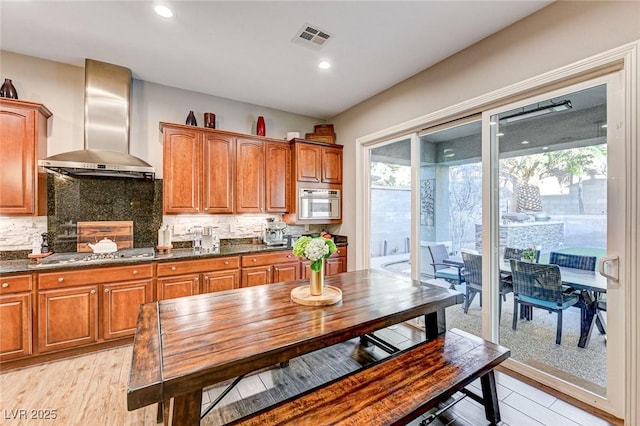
60,87
558,35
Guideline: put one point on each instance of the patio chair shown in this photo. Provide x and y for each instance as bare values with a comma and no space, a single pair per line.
574,261
473,278
540,286
586,263
516,253
446,271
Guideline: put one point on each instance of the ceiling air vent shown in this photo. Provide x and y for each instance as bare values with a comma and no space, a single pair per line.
311,36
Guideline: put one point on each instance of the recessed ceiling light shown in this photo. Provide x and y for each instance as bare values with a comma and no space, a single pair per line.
163,11
524,142
324,65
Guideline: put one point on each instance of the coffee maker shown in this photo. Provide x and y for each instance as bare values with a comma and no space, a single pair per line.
274,232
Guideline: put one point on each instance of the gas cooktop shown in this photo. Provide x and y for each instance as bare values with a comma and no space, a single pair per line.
68,258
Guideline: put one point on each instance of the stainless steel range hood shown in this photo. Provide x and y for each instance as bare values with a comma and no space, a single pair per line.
107,103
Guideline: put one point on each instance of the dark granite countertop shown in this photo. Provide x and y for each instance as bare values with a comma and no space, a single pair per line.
22,266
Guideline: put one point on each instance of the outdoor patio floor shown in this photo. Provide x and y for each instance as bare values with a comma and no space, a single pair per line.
533,342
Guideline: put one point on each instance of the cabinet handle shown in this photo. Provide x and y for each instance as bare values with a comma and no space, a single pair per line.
106,290
197,279
226,262
339,252
5,285
173,268
60,279
135,272
93,292
255,260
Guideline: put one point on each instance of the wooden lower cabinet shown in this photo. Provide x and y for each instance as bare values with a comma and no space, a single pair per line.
257,275
15,317
182,278
80,307
286,272
180,286
67,317
267,268
337,262
16,304
120,306
221,280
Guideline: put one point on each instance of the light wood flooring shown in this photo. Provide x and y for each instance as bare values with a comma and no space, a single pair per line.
91,390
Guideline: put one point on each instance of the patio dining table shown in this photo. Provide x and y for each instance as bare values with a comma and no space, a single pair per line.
589,284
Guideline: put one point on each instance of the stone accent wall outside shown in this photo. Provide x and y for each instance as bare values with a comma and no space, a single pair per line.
547,235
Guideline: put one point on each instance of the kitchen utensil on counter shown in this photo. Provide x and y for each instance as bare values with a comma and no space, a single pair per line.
44,248
197,231
274,232
104,246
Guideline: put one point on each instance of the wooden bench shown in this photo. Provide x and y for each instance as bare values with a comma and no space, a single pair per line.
398,389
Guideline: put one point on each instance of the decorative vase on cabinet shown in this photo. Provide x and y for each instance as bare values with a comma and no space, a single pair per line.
191,119
260,127
8,90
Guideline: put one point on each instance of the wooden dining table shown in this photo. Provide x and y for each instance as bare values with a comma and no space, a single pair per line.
590,285
184,345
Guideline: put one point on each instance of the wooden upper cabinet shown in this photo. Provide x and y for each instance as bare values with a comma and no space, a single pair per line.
308,162
277,196
215,171
23,140
318,163
331,165
218,173
249,175
182,170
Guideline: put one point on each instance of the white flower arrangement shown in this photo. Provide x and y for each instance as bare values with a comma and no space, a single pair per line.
314,249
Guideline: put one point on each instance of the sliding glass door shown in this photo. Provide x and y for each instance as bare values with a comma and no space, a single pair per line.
555,166
543,178
390,201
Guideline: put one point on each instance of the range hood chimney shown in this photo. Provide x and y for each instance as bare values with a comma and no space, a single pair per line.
107,103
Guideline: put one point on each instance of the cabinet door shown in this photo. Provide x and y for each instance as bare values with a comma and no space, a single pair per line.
17,162
221,280
67,318
278,182
286,272
337,263
120,305
335,266
249,176
331,165
308,162
185,285
256,276
182,169
15,317
218,173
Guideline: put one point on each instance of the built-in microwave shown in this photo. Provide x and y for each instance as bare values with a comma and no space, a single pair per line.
319,204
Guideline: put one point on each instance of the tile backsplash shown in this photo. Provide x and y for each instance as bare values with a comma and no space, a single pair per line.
112,199
16,232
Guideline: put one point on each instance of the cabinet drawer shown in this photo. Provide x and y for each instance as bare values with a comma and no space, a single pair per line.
94,276
341,252
268,258
194,266
16,284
